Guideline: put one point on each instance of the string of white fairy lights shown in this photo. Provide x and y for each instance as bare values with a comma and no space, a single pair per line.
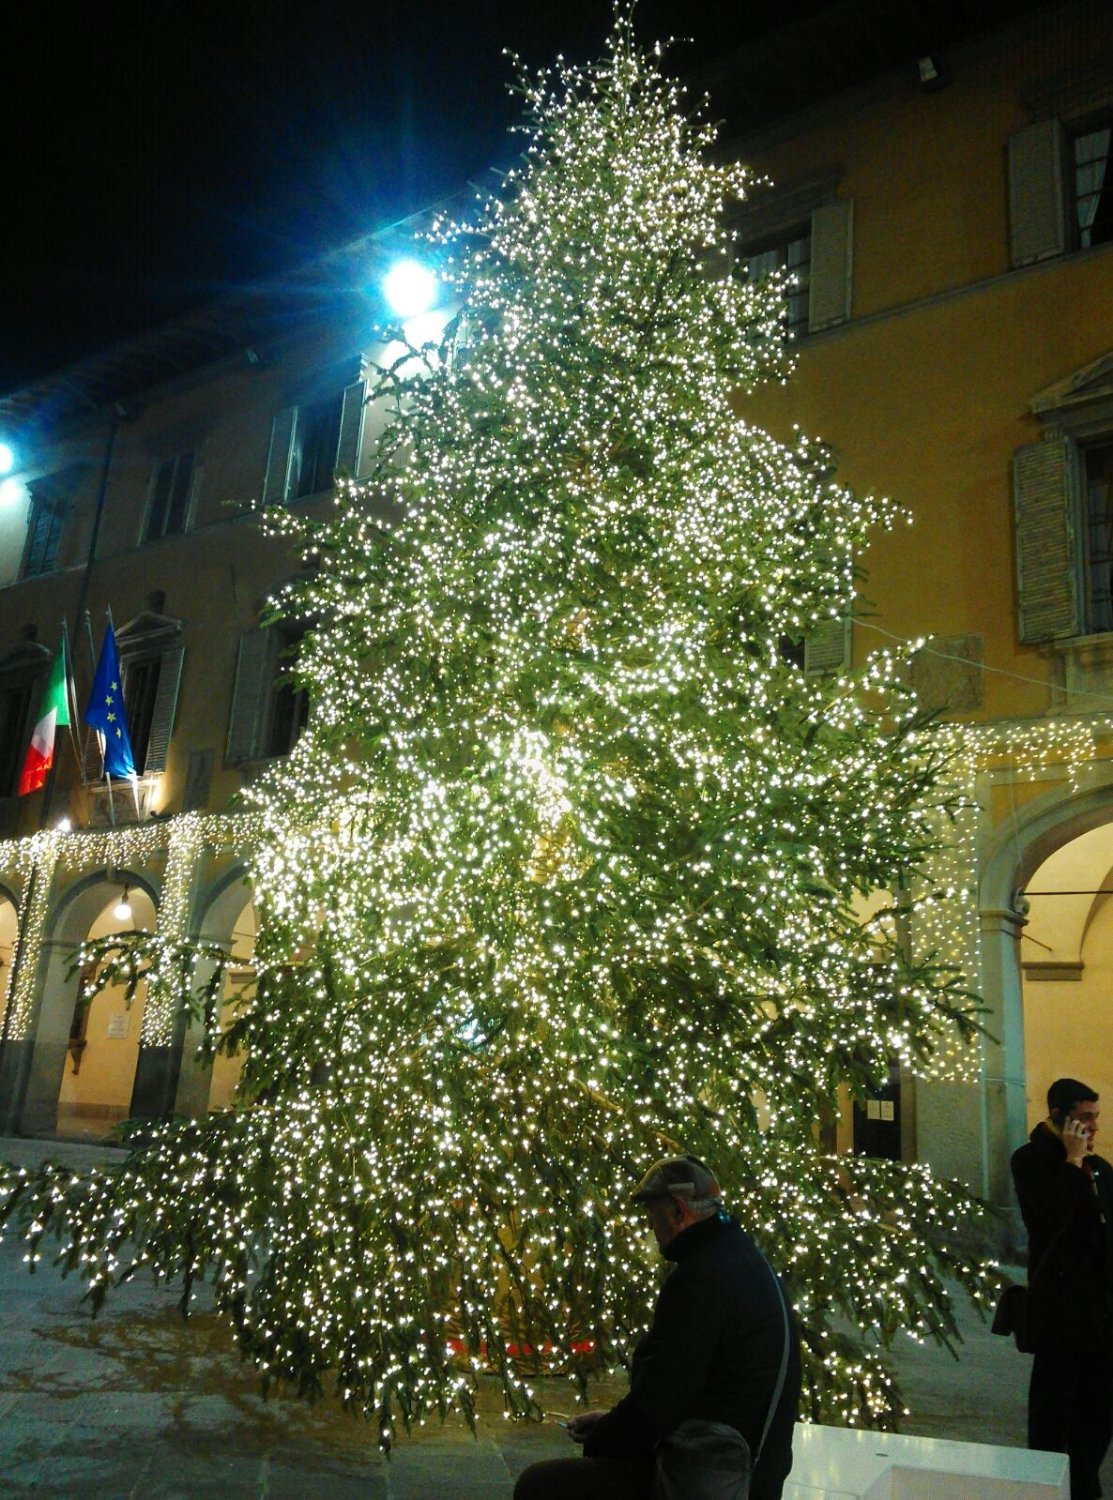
58,856
946,926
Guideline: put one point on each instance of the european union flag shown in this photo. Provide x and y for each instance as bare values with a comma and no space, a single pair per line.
106,710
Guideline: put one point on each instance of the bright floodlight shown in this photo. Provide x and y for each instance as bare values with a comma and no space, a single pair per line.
410,288
7,459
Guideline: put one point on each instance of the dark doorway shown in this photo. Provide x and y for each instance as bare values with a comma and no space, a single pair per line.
877,1123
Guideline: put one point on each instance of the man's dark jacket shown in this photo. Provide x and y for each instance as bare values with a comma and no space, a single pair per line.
714,1351
1068,1212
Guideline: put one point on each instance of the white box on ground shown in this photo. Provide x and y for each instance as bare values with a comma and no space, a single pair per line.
830,1463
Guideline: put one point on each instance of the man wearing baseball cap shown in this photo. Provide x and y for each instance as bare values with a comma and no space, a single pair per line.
722,1356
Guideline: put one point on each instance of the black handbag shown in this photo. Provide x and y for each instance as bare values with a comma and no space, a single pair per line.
702,1460
1013,1313
1010,1317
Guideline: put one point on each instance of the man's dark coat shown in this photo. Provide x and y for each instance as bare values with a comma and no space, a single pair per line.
714,1351
1068,1212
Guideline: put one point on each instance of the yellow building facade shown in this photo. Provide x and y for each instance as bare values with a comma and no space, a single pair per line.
953,225
950,230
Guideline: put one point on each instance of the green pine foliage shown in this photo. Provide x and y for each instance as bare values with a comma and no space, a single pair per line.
569,869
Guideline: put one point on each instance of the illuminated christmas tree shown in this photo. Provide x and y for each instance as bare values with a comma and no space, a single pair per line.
570,869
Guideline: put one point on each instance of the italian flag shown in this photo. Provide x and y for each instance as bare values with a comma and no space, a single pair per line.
55,711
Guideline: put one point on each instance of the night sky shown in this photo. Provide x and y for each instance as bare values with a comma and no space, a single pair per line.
157,154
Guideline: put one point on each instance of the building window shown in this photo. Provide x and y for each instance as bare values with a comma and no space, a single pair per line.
171,485
289,711
51,506
791,253
1097,490
1063,517
1060,192
151,657
141,677
15,716
808,235
314,447
791,650
270,709
1093,190
312,441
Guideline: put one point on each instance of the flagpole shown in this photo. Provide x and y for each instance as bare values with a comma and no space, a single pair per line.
92,644
107,777
100,737
134,779
71,689
89,731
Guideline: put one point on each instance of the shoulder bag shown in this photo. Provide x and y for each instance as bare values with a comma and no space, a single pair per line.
1013,1313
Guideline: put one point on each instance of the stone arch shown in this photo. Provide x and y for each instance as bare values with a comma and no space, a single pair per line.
74,913
1015,852
218,911
9,933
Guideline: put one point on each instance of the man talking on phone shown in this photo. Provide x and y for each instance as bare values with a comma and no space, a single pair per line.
1066,1198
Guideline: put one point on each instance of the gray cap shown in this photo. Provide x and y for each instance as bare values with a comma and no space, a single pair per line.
677,1177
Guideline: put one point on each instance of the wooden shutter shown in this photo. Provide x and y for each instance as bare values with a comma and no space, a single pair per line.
162,715
42,517
276,483
199,780
351,430
831,262
1037,195
827,648
1048,572
255,666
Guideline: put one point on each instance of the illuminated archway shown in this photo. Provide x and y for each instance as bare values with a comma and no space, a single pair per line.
9,931
1067,968
84,911
1019,849
104,1036
226,917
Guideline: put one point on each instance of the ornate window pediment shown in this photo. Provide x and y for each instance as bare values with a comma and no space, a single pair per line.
1082,403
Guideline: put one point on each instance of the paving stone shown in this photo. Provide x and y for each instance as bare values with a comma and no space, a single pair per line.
59,1471
136,1405
450,1483
178,1473
309,1474
34,1409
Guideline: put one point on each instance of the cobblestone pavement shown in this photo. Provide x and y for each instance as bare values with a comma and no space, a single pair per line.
136,1404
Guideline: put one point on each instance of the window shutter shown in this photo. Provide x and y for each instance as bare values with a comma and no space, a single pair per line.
1047,571
827,648
351,430
832,253
39,532
166,703
255,667
276,483
1037,195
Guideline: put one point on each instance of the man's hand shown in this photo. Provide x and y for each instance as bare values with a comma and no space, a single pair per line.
580,1426
1076,1141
